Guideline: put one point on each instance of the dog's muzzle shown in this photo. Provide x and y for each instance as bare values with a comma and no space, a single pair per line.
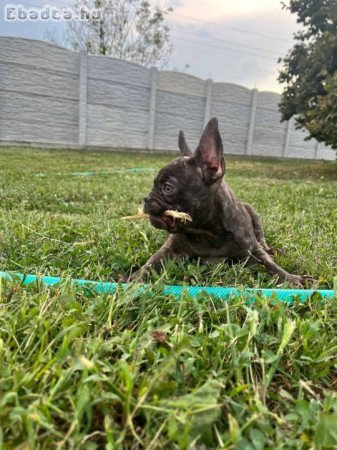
156,214
152,206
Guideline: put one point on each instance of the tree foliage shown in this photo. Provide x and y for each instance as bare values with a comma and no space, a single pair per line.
322,121
310,68
127,29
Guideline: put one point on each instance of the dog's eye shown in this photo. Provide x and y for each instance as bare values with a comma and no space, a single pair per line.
167,188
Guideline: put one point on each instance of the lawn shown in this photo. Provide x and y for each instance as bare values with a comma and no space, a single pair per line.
138,370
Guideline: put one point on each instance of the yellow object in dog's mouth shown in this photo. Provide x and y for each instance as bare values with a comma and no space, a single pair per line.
170,213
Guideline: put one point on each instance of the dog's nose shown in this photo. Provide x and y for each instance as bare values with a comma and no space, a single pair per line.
147,199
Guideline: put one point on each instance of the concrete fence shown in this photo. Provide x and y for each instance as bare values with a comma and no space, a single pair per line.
53,96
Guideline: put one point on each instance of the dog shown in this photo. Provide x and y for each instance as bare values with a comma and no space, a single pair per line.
222,227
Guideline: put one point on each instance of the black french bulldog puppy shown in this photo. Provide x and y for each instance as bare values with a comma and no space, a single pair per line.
222,227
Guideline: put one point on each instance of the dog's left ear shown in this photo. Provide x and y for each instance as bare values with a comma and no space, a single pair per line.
209,153
182,144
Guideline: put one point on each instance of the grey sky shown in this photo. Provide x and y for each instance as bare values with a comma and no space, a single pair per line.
234,41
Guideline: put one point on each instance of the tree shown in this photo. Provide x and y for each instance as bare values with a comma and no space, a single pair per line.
310,68
127,29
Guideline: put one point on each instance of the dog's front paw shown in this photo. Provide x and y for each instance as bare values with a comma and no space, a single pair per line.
274,251
122,278
300,281
139,276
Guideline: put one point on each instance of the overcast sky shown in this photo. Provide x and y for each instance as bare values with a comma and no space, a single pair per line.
235,41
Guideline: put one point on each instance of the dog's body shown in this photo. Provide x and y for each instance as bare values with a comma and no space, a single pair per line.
222,227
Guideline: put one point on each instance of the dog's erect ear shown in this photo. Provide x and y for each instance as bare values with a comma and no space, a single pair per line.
184,148
209,153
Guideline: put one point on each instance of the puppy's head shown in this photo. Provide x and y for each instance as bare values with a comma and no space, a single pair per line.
189,183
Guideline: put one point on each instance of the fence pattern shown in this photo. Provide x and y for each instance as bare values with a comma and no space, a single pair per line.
50,95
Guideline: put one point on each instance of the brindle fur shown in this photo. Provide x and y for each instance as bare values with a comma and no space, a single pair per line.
222,227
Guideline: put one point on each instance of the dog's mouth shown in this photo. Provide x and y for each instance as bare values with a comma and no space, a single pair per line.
164,223
157,212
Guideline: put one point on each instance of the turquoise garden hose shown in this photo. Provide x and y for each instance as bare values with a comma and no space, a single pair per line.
218,292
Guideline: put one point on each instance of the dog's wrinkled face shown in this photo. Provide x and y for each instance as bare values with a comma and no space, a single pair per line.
188,183
177,187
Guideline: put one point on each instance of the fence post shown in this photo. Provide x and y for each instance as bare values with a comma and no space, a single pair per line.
208,101
152,112
82,99
316,150
251,122
287,138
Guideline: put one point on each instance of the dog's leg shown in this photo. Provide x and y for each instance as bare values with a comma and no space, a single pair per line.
259,233
260,256
170,250
258,229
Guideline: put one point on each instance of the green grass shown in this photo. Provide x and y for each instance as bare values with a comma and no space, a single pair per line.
134,370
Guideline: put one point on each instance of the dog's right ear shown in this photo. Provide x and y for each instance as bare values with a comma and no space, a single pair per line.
209,153
184,148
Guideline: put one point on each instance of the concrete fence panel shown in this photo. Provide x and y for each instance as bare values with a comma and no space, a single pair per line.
232,105
118,103
38,92
180,105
